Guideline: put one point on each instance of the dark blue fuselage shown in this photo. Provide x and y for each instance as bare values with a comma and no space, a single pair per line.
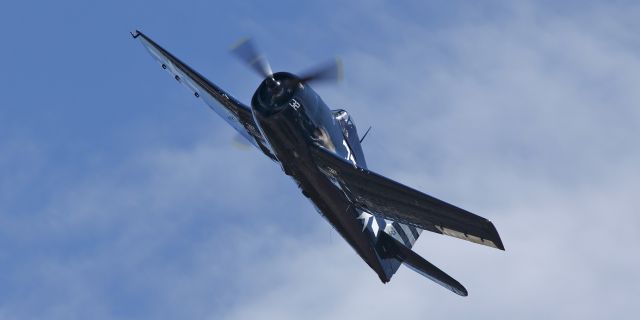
292,117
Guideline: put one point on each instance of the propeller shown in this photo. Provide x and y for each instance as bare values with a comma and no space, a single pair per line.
328,71
247,51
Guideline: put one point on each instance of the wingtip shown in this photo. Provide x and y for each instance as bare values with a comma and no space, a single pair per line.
463,292
456,287
498,242
135,33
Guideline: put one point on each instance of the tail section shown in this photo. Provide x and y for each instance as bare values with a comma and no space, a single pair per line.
393,248
405,234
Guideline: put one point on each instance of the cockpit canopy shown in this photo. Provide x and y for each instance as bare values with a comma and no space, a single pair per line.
350,133
346,122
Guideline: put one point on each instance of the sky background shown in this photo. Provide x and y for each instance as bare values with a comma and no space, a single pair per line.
123,197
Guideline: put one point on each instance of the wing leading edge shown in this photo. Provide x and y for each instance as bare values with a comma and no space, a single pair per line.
388,199
231,110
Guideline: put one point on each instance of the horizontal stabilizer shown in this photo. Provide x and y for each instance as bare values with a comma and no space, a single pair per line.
420,265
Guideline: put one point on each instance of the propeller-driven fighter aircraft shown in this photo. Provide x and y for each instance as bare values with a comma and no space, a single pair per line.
320,150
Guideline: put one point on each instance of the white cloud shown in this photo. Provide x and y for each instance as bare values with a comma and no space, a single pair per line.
531,121
529,118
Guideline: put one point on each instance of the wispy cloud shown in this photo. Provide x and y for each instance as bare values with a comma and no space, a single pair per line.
524,113
530,120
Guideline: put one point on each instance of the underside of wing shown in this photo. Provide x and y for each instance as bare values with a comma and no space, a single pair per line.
231,110
391,200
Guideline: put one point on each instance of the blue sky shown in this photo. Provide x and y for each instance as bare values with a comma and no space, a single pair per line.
122,196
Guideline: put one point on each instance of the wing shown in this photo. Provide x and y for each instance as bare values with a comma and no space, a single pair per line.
231,110
388,199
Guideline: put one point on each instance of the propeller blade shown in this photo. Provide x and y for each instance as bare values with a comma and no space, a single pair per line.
247,51
329,71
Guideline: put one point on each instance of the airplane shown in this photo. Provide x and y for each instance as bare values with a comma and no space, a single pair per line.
320,149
